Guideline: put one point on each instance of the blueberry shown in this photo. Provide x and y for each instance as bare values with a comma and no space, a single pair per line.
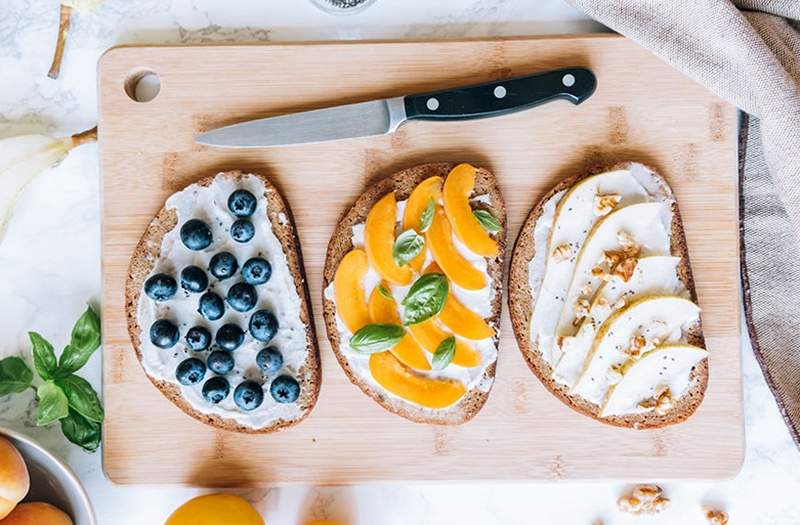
211,306
216,389
220,362
263,325
194,279
256,271
242,203
242,230
190,371
223,265
198,338
269,360
242,297
229,337
160,287
196,235
163,334
284,389
248,395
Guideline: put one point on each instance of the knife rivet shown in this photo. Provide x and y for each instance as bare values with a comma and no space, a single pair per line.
568,80
499,92
433,104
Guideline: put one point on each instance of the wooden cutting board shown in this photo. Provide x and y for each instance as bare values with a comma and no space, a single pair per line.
643,110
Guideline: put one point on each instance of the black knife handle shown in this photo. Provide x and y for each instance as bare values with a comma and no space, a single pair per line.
575,84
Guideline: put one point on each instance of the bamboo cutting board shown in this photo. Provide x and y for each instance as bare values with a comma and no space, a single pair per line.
643,110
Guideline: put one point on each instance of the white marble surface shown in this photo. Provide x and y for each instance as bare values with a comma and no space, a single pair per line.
50,264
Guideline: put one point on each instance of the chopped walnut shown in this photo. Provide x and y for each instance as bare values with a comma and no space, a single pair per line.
581,308
634,351
664,402
619,304
611,257
562,252
716,517
586,289
645,499
599,273
624,269
604,204
614,374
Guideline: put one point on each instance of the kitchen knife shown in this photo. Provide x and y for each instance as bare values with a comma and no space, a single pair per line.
379,117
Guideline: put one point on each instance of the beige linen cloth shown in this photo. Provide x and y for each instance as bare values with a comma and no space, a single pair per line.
748,52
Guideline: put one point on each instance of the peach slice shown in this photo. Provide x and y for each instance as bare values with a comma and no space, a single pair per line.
402,382
408,351
460,319
457,189
453,264
348,290
429,336
379,240
430,188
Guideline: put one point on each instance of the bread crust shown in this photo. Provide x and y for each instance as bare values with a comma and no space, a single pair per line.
402,183
520,309
148,252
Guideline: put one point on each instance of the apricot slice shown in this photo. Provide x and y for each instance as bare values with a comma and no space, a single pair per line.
408,351
402,382
429,336
457,188
453,264
430,188
348,290
379,240
460,319
382,309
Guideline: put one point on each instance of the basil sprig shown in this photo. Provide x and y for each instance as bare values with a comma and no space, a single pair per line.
444,353
425,298
408,245
426,217
385,292
378,337
487,220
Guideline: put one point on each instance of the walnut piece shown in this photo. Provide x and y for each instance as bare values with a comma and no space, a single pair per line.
716,517
562,252
624,270
645,499
619,304
660,403
637,343
605,204
581,309
586,289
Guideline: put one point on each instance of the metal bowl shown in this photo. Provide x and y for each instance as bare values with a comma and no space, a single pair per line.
52,481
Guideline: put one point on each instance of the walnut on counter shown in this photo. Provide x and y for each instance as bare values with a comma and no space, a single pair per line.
644,499
716,517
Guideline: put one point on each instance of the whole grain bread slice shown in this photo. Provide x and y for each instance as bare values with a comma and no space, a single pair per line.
402,183
144,259
520,302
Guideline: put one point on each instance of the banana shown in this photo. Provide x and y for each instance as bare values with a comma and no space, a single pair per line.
24,157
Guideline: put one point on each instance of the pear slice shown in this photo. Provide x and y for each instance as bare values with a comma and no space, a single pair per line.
661,317
667,366
656,275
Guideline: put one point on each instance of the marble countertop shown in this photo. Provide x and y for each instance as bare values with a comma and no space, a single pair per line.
50,263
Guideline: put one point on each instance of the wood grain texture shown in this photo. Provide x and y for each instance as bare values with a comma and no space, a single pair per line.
642,111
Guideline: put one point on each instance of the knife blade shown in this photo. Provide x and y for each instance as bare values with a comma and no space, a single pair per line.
380,117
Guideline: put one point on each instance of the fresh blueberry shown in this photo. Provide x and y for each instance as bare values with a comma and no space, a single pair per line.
256,271
248,395
198,338
220,362
269,360
229,337
242,230
196,235
190,371
160,287
163,334
242,297
194,279
263,325
211,306
284,389
242,203
223,265
216,389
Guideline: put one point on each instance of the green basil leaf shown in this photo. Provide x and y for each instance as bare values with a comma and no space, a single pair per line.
376,338
44,358
385,292
487,220
53,404
408,245
85,340
79,430
82,397
15,376
444,353
425,298
426,218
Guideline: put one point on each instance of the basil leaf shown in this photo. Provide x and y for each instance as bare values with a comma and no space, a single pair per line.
426,218
53,403
408,245
15,376
81,431
85,340
425,298
444,353
487,220
385,292
44,358
375,338
81,397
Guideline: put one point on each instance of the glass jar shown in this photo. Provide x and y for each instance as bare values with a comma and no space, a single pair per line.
342,7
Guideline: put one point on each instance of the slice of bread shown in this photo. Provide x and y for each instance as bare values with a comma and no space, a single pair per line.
520,302
147,253
402,184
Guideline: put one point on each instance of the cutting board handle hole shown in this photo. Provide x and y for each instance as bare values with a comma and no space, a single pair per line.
142,85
